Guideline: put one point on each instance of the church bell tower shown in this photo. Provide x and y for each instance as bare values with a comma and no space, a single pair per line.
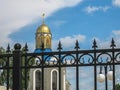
43,38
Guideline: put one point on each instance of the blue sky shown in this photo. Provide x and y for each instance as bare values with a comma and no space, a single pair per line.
69,20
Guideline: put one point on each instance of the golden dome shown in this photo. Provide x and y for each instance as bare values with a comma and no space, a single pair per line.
43,29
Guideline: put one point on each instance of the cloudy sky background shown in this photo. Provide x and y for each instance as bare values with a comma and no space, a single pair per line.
69,20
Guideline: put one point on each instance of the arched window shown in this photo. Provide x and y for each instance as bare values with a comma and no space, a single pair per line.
54,80
48,41
38,79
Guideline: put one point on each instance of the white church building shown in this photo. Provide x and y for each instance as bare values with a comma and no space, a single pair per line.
51,75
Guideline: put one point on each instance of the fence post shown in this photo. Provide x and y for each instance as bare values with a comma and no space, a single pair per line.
17,67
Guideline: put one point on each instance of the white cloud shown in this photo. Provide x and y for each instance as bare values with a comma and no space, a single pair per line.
101,43
15,14
105,43
116,32
91,9
69,41
116,3
116,35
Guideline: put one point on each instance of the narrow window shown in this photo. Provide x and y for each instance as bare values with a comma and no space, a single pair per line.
38,80
54,80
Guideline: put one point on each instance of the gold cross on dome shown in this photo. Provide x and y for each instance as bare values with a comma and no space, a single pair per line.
43,15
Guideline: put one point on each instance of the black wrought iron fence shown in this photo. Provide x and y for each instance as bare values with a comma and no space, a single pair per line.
15,66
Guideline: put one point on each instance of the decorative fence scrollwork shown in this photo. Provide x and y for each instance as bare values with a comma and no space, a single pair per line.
20,59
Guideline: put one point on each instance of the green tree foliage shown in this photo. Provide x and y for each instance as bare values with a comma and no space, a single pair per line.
117,87
4,72
2,62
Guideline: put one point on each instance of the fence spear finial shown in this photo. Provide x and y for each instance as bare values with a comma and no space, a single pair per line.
8,49
112,43
59,46
77,45
26,47
94,44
